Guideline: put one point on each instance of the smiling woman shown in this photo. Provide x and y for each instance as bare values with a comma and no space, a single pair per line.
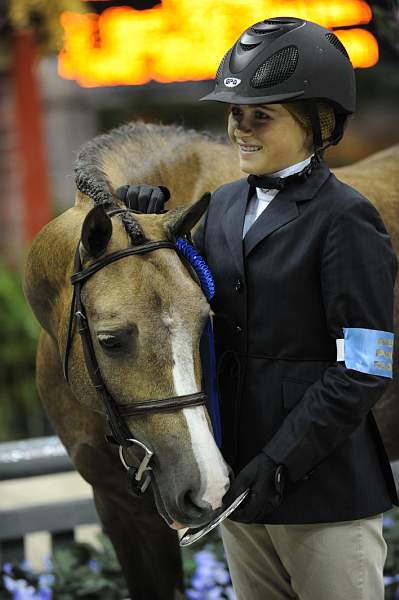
293,250
294,253
267,139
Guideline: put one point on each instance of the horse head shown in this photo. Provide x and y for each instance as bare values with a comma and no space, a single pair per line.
145,315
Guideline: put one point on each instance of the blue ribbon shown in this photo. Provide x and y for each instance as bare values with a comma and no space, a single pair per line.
208,361
207,343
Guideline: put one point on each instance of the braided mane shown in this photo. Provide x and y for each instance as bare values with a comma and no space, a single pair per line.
117,157
136,152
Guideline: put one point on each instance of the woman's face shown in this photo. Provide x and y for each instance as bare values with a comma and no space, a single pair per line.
279,139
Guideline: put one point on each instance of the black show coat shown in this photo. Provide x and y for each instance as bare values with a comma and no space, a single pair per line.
318,259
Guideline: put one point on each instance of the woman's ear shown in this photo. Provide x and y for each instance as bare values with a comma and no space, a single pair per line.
96,231
181,220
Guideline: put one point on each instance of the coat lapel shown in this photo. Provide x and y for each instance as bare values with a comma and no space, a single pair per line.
233,223
283,208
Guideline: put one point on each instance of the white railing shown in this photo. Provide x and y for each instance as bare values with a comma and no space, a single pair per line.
44,502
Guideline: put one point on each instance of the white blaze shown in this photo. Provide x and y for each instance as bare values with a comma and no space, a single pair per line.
213,470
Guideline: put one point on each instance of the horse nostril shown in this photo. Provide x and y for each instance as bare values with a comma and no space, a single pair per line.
192,505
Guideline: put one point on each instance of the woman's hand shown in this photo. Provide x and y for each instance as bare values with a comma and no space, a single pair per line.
265,480
144,198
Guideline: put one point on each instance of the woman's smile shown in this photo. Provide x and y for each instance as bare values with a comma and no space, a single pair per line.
247,149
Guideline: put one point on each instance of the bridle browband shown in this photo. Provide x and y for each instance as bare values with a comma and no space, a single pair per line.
116,413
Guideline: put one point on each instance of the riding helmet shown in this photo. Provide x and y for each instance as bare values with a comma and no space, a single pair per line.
285,59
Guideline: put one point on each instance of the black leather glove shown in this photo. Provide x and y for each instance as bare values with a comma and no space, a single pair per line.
266,481
144,198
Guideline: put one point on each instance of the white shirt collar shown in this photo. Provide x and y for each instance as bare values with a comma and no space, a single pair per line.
296,168
292,168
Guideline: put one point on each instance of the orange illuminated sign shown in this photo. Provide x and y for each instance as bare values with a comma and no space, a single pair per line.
184,40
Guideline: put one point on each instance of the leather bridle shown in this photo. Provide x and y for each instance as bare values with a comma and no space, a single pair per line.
117,413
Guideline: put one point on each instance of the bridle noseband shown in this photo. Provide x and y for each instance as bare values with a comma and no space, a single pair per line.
117,413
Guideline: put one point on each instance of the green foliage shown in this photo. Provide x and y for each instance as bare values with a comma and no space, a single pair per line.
20,410
82,571
78,571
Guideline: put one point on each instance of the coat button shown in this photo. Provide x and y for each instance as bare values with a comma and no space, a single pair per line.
238,285
238,329
308,474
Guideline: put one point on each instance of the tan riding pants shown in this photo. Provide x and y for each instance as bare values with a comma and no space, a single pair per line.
318,561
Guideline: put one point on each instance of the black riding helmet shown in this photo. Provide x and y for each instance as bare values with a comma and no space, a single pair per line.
285,59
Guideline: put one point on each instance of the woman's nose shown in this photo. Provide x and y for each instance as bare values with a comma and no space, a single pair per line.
243,127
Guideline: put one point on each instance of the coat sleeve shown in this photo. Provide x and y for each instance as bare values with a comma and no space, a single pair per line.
358,271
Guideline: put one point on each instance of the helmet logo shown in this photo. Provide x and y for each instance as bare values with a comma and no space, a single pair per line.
231,82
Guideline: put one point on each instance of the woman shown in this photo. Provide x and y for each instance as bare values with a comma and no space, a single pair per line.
303,322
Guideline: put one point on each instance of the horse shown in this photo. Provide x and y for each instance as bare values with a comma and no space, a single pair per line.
145,315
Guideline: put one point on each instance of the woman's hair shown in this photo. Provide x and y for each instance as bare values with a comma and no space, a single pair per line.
326,114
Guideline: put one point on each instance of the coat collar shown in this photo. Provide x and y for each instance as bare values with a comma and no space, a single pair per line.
281,210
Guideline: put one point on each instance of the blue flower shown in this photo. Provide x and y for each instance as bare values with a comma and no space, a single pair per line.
44,594
25,566
222,576
202,581
9,583
204,557
229,592
215,593
7,568
48,563
19,588
194,595
211,579
390,579
94,565
388,522
46,580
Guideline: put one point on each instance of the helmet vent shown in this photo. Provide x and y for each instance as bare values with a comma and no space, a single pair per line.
332,38
248,46
264,31
277,68
281,22
273,25
221,65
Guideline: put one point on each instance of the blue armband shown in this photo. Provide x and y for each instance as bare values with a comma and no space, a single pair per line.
366,350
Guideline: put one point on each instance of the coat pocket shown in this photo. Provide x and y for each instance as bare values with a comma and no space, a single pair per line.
293,391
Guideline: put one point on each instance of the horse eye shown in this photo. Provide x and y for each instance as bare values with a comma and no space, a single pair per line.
109,342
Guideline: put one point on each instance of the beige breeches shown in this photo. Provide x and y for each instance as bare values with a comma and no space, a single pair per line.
318,561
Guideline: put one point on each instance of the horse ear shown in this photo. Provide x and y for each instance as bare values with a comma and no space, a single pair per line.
96,231
179,221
